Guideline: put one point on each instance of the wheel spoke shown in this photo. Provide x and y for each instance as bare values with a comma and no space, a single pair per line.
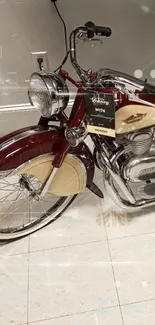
5,197
7,183
16,205
20,210
16,210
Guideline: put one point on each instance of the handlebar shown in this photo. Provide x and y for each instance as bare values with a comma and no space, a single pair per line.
98,30
91,29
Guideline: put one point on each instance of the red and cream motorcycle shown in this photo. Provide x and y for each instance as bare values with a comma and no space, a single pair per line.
43,167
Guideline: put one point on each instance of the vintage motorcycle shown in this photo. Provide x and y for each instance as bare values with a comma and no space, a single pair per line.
43,167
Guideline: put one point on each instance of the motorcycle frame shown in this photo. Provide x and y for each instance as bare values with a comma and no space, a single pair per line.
76,118
25,144
20,146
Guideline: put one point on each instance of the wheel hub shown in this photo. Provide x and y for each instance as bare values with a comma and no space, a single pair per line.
25,184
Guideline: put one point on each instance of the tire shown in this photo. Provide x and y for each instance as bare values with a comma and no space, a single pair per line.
15,197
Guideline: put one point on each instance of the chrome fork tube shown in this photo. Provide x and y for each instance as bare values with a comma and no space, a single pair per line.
48,181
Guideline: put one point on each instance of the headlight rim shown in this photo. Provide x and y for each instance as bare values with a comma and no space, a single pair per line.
59,87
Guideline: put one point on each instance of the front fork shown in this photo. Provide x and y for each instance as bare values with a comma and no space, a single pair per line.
75,120
48,182
57,162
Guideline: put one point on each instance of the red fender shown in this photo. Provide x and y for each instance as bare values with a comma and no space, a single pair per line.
25,144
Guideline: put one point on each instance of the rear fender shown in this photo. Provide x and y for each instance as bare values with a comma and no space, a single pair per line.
26,144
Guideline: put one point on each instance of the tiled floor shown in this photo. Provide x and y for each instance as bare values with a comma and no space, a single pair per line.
87,268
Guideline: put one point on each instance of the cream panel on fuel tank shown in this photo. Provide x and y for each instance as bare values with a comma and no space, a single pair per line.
133,117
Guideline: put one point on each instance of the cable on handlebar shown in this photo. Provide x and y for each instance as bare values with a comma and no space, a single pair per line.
66,38
63,62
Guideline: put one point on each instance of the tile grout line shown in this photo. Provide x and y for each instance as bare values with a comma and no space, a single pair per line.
113,270
107,239
87,311
78,244
115,280
137,302
71,245
28,280
69,315
59,247
128,236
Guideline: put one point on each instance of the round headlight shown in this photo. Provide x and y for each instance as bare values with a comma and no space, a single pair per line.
48,93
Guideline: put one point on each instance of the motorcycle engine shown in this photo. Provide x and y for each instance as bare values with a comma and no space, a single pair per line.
140,142
138,167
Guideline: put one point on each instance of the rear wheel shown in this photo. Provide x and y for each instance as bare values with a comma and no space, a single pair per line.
22,211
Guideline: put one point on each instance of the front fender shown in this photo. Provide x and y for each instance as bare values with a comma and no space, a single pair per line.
25,144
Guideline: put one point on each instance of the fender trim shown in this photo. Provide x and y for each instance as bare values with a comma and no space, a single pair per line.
25,144
21,136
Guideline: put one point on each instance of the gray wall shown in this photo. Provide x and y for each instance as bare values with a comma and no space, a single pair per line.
131,45
26,26
16,119
33,25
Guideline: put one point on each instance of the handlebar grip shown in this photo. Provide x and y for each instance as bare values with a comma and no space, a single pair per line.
98,30
103,31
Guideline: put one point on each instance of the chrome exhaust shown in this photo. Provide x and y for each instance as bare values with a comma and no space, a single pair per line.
110,163
113,192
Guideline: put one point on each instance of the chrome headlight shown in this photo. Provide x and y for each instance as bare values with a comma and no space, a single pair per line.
48,93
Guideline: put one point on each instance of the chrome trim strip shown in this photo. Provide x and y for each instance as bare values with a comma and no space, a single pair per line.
135,98
121,78
24,135
5,173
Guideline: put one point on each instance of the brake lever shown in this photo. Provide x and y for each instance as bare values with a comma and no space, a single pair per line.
84,37
97,40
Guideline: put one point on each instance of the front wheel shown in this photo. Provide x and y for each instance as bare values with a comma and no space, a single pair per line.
21,212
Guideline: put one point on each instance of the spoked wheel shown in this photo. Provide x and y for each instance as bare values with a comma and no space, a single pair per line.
22,210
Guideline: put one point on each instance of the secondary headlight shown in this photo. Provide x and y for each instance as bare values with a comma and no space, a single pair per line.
48,93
